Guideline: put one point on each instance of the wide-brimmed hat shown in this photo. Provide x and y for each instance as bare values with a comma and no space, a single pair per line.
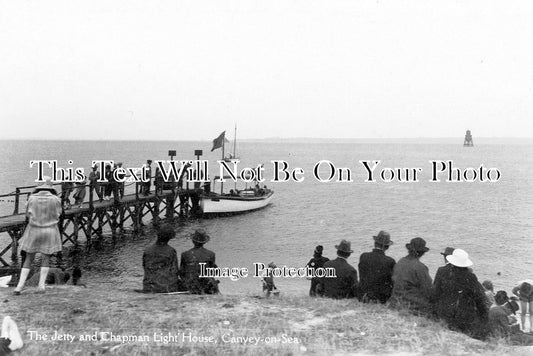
459,258
200,236
417,244
46,185
344,246
447,251
383,238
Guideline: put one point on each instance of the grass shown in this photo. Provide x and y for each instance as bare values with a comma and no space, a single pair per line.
316,326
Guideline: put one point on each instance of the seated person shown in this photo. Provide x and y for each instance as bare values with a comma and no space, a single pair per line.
503,324
190,265
160,263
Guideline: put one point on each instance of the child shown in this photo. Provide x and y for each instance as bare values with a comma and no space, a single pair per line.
268,282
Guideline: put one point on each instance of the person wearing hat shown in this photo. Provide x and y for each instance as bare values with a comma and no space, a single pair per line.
412,283
524,291
344,284
41,235
146,185
375,271
316,262
460,299
160,263
190,265
501,321
446,269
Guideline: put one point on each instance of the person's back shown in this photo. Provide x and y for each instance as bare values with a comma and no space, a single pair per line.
344,285
412,283
190,265
375,273
460,299
43,209
160,263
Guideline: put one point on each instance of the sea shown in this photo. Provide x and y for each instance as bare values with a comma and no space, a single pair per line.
491,220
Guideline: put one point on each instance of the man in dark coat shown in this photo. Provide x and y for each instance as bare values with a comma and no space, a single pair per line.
412,283
375,270
344,285
190,265
460,299
316,262
444,270
160,263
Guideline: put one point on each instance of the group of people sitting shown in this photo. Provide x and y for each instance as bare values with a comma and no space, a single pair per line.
162,274
454,296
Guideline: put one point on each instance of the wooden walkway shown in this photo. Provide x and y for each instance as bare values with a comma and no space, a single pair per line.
93,217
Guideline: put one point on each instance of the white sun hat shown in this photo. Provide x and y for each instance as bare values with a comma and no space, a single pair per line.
459,258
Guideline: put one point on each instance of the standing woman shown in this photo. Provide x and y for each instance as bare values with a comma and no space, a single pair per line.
524,291
42,233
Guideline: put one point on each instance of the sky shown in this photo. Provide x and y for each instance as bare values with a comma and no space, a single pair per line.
187,70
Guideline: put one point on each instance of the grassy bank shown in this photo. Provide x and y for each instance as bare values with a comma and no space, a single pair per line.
206,325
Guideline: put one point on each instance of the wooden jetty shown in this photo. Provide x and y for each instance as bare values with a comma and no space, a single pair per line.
95,216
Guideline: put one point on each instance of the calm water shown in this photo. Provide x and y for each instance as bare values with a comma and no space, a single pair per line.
491,221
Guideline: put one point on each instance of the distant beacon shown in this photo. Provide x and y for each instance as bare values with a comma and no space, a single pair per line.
468,139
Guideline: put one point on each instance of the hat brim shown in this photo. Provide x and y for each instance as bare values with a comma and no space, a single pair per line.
424,249
459,262
201,241
337,247
50,189
384,244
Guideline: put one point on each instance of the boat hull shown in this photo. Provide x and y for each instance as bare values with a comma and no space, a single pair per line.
215,204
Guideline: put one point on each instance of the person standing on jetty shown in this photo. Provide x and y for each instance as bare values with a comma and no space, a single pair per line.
344,285
375,271
146,185
160,263
412,283
190,265
42,233
93,182
460,299
524,291
316,262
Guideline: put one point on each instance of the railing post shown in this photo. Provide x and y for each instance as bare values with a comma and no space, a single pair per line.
17,193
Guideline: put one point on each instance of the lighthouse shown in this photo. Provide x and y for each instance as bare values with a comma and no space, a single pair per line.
468,139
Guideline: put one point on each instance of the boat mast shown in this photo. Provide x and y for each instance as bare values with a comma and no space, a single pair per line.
234,149
235,142
222,183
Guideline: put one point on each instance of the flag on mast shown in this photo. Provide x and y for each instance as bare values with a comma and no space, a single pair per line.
219,141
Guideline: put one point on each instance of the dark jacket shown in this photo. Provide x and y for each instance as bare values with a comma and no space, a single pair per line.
461,302
316,262
342,286
160,264
190,270
375,271
412,284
